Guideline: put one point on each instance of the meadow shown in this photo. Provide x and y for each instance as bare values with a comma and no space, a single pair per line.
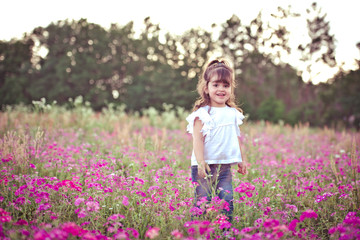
79,174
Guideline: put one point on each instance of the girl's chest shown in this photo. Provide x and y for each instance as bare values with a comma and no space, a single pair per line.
223,119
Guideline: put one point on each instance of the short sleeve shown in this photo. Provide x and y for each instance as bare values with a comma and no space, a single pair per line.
204,117
239,121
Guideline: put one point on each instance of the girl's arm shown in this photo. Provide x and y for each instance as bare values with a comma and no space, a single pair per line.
198,145
242,166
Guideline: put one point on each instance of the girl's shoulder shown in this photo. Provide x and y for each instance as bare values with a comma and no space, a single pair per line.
203,115
239,116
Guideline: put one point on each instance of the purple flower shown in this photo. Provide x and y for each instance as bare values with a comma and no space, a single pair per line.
292,225
21,222
308,214
44,207
271,223
79,201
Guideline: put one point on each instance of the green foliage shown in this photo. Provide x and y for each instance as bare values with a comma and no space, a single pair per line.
15,62
272,109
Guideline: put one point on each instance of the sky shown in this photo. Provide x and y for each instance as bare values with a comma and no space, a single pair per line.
22,16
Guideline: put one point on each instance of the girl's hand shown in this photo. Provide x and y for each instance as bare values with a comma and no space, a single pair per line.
242,168
202,169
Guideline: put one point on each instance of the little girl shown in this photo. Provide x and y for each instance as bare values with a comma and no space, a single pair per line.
214,124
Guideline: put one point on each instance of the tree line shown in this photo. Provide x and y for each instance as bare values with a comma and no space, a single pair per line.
74,58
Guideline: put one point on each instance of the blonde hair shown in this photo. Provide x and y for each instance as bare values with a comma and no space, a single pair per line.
221,68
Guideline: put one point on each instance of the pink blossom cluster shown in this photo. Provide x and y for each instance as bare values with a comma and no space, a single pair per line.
348,229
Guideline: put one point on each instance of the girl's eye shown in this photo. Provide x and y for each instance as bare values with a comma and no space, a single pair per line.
215,85
226,86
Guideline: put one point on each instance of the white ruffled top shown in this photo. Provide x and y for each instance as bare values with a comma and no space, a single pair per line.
221,132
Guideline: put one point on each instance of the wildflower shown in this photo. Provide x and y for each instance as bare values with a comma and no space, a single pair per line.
235,231
21,222
121,235
41,234
171,208
141,193
24,232
246,230
115,217
32,166
79,201
72,228
6,218
292,224
308,214
20,201
59,234
92,206
134,232
244,187
44,207
68,185
196,211
152,232
177,234
258,222
125,201
191,231
271,223
7,159
266,200
292,207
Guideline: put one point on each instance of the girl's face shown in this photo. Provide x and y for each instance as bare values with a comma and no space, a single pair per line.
219,91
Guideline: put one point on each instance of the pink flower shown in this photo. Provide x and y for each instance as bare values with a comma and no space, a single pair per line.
244,187
44,207
21,222
32,166
271,223
125,201
5,218
134,232
115,217
92,206
152,232
41,234
79,201
177,234
72,228
68,184
292,224
308,214
191,231
249,194
141,193
20,200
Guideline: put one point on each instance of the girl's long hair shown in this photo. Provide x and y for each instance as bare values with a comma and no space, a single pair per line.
225,73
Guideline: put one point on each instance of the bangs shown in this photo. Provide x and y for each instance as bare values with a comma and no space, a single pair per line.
222,75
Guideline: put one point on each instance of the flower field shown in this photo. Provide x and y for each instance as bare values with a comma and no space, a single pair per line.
77,174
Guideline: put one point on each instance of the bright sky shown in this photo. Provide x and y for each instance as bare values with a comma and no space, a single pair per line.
20,16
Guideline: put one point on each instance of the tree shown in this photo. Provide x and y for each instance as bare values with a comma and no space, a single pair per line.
321,47
76,63
15,65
